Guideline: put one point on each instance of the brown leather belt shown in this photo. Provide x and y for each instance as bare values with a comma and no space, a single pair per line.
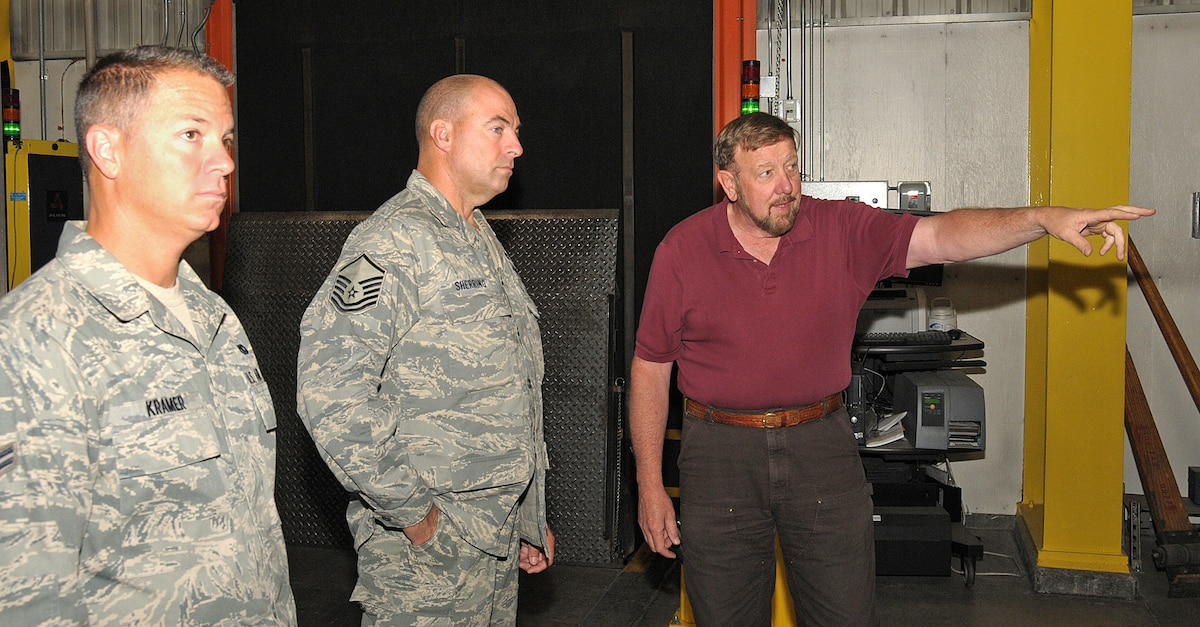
785,417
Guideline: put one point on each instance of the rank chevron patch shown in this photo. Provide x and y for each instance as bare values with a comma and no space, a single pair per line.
357,286
8,457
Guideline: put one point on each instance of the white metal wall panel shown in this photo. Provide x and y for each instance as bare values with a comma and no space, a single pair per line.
119,24
946,103
1164,171
858,11
1150,7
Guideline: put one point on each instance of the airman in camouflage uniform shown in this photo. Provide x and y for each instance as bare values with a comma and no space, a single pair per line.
138,483
419,378
137,447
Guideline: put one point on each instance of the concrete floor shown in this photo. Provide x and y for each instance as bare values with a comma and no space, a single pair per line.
646,593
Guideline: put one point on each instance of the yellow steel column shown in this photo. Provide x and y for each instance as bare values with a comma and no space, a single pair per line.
1079,90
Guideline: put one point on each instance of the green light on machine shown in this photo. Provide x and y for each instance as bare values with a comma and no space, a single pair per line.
12,113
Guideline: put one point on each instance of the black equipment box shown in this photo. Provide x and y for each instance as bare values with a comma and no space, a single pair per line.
912,540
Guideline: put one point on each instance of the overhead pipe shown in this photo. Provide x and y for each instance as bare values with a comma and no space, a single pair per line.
89,34
42,62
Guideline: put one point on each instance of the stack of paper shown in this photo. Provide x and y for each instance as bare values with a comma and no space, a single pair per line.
887,430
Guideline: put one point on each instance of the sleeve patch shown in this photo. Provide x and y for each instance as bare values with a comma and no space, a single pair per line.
8,457
357,286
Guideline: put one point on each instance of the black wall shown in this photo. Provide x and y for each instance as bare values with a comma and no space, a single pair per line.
368,62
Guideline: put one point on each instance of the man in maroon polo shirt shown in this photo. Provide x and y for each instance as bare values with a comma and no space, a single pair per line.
755,300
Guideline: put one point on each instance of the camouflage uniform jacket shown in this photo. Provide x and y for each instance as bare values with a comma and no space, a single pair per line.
137,466
420,373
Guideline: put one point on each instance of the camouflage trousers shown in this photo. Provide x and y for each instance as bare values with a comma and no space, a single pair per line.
444,581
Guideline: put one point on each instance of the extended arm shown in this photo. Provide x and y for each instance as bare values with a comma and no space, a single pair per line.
649,391
965,234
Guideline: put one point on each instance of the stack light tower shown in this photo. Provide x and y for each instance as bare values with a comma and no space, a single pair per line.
750,86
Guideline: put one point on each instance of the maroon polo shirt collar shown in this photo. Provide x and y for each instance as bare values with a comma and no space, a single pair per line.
728,243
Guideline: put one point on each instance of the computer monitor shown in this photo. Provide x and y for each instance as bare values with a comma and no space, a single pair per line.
925,276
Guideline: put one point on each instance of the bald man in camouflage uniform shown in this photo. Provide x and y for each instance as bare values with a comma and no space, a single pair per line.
137,445
419,378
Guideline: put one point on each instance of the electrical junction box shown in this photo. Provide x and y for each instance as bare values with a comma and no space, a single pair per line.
874,193
913,195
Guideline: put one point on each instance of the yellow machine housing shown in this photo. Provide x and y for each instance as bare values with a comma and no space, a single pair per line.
44,189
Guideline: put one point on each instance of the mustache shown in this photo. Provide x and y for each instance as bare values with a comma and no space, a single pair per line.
789,199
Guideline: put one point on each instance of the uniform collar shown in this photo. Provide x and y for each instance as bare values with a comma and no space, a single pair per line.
114,286
439,206
101,273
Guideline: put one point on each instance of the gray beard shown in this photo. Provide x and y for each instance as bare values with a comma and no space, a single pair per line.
774,225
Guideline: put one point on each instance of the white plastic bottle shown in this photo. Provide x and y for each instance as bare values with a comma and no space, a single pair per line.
941,315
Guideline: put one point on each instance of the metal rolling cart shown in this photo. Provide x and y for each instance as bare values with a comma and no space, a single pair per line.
942,418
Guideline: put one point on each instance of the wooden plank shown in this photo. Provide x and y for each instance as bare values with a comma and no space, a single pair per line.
1158,480
1166,323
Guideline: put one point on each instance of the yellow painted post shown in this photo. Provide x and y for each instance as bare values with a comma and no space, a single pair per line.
783,610
684,616
6,35
1080,70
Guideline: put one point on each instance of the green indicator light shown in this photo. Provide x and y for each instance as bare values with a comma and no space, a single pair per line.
11,100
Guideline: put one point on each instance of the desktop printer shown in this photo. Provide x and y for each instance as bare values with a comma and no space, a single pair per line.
945,410
891,310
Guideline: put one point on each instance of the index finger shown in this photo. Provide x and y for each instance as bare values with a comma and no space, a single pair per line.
1131,212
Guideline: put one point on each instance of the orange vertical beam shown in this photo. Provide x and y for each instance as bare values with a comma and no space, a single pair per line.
733,41
219,39
220,32
734,25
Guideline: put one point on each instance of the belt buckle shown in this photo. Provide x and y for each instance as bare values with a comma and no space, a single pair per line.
768,420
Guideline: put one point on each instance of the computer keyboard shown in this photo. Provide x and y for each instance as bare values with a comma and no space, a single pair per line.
899,338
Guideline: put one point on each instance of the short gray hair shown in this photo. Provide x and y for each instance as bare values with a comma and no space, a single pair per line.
751,132
117,89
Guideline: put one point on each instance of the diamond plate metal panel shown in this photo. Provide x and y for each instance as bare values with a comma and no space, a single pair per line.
275,263
568,265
